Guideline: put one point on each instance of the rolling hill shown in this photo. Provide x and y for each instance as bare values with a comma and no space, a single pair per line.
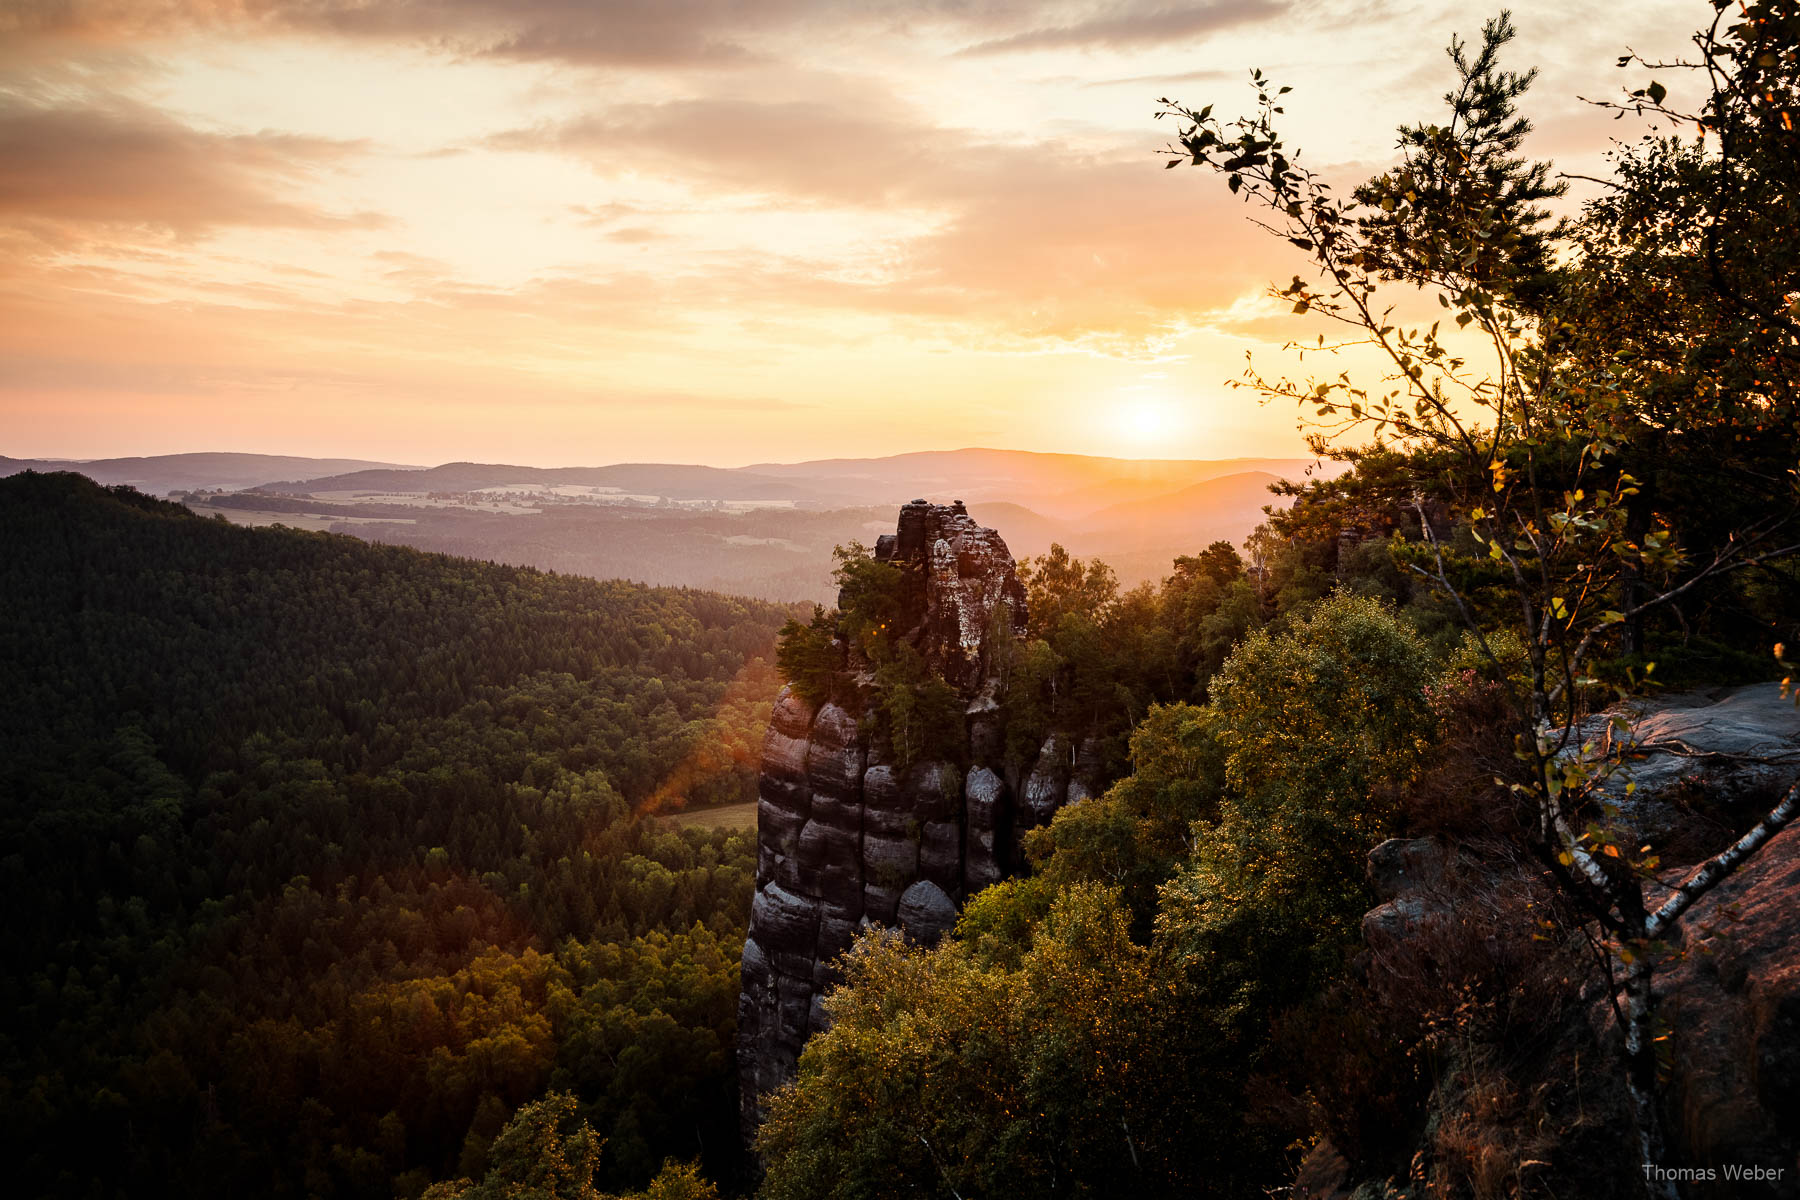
162,473
1067,487
765,530
1201,513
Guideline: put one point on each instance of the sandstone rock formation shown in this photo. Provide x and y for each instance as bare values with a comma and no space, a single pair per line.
1731,1000
1704,765
1739,745
847,838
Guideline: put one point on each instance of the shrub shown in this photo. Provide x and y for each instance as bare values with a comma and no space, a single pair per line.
807,657
915,711
1316,724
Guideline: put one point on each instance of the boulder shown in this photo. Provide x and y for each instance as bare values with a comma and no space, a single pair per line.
835,756
783,758
1397,919
792,715
782,920
1736,745
884,808
926,913
984,794
1402,864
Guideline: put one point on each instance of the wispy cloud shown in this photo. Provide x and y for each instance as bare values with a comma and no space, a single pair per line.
127,164
621,216
1136,26
645,33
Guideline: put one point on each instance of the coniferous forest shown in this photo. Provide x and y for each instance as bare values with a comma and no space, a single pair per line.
320,857
336,869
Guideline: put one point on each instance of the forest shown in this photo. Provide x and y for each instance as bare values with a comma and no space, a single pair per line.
334,869
321,858
1572,481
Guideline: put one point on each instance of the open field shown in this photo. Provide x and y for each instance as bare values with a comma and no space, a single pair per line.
726,816
317,522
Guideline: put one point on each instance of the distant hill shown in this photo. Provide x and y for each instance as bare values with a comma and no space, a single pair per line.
160,474
1216,509
686,525
770,554
672,480
1026,533
1064,486
1060,486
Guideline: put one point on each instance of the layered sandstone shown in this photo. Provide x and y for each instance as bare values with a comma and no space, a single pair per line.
846,838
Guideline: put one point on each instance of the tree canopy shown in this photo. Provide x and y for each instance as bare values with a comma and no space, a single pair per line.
321,857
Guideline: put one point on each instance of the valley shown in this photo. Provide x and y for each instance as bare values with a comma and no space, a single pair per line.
765,531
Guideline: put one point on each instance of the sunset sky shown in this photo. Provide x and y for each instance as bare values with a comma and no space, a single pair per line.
567,232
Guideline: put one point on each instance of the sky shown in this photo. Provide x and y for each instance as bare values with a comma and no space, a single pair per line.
564,232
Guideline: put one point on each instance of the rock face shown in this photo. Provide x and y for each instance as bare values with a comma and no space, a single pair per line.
1731,998
1739,745
1729,985
846,838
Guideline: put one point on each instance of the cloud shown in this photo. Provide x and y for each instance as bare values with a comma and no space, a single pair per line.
823,150
641,33
1137,26
1203,76
1055,249
1041,237
125,164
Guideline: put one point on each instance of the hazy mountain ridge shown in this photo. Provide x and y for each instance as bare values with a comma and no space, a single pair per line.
1065,486
160,473
764,530
675,480
1208,511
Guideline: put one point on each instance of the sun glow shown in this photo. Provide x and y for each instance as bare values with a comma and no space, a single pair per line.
298,235
1144,420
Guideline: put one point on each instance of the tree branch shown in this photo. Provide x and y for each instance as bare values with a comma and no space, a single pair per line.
1719,867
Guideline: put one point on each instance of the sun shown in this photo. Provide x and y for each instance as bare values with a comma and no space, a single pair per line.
1142,419
1145,420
